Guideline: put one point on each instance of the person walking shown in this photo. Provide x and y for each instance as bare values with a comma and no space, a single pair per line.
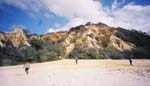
76,59
26,67
130,60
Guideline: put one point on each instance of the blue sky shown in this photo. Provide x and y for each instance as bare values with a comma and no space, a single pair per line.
44,16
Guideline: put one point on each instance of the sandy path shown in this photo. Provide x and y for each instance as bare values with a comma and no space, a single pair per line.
86,73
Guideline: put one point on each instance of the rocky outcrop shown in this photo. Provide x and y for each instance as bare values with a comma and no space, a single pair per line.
16,38
2,40
54,38
119,44
93,36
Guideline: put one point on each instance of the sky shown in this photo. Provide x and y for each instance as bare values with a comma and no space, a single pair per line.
43,16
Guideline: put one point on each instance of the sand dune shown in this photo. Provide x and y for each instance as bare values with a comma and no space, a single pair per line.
86,73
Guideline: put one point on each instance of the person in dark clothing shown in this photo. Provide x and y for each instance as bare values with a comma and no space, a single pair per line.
130,60
26,67
76,59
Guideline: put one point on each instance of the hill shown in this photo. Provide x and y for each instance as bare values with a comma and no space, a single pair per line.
89,41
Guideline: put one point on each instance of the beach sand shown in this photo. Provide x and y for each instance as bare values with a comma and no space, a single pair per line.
86,73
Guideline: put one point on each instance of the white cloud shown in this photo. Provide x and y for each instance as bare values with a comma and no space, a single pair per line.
78,12
57,25
73,22
114,5
87,9
117,4
132,16
82,11
52,30
33,7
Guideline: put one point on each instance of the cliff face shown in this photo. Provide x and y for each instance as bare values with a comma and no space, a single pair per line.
96,36
54,38
16,38
119,44
2,39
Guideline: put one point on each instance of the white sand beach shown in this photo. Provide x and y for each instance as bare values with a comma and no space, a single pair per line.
86,73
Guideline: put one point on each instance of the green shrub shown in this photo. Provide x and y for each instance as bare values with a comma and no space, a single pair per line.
7,62
106,53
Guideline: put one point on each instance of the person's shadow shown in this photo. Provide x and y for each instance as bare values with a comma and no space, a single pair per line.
19,74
